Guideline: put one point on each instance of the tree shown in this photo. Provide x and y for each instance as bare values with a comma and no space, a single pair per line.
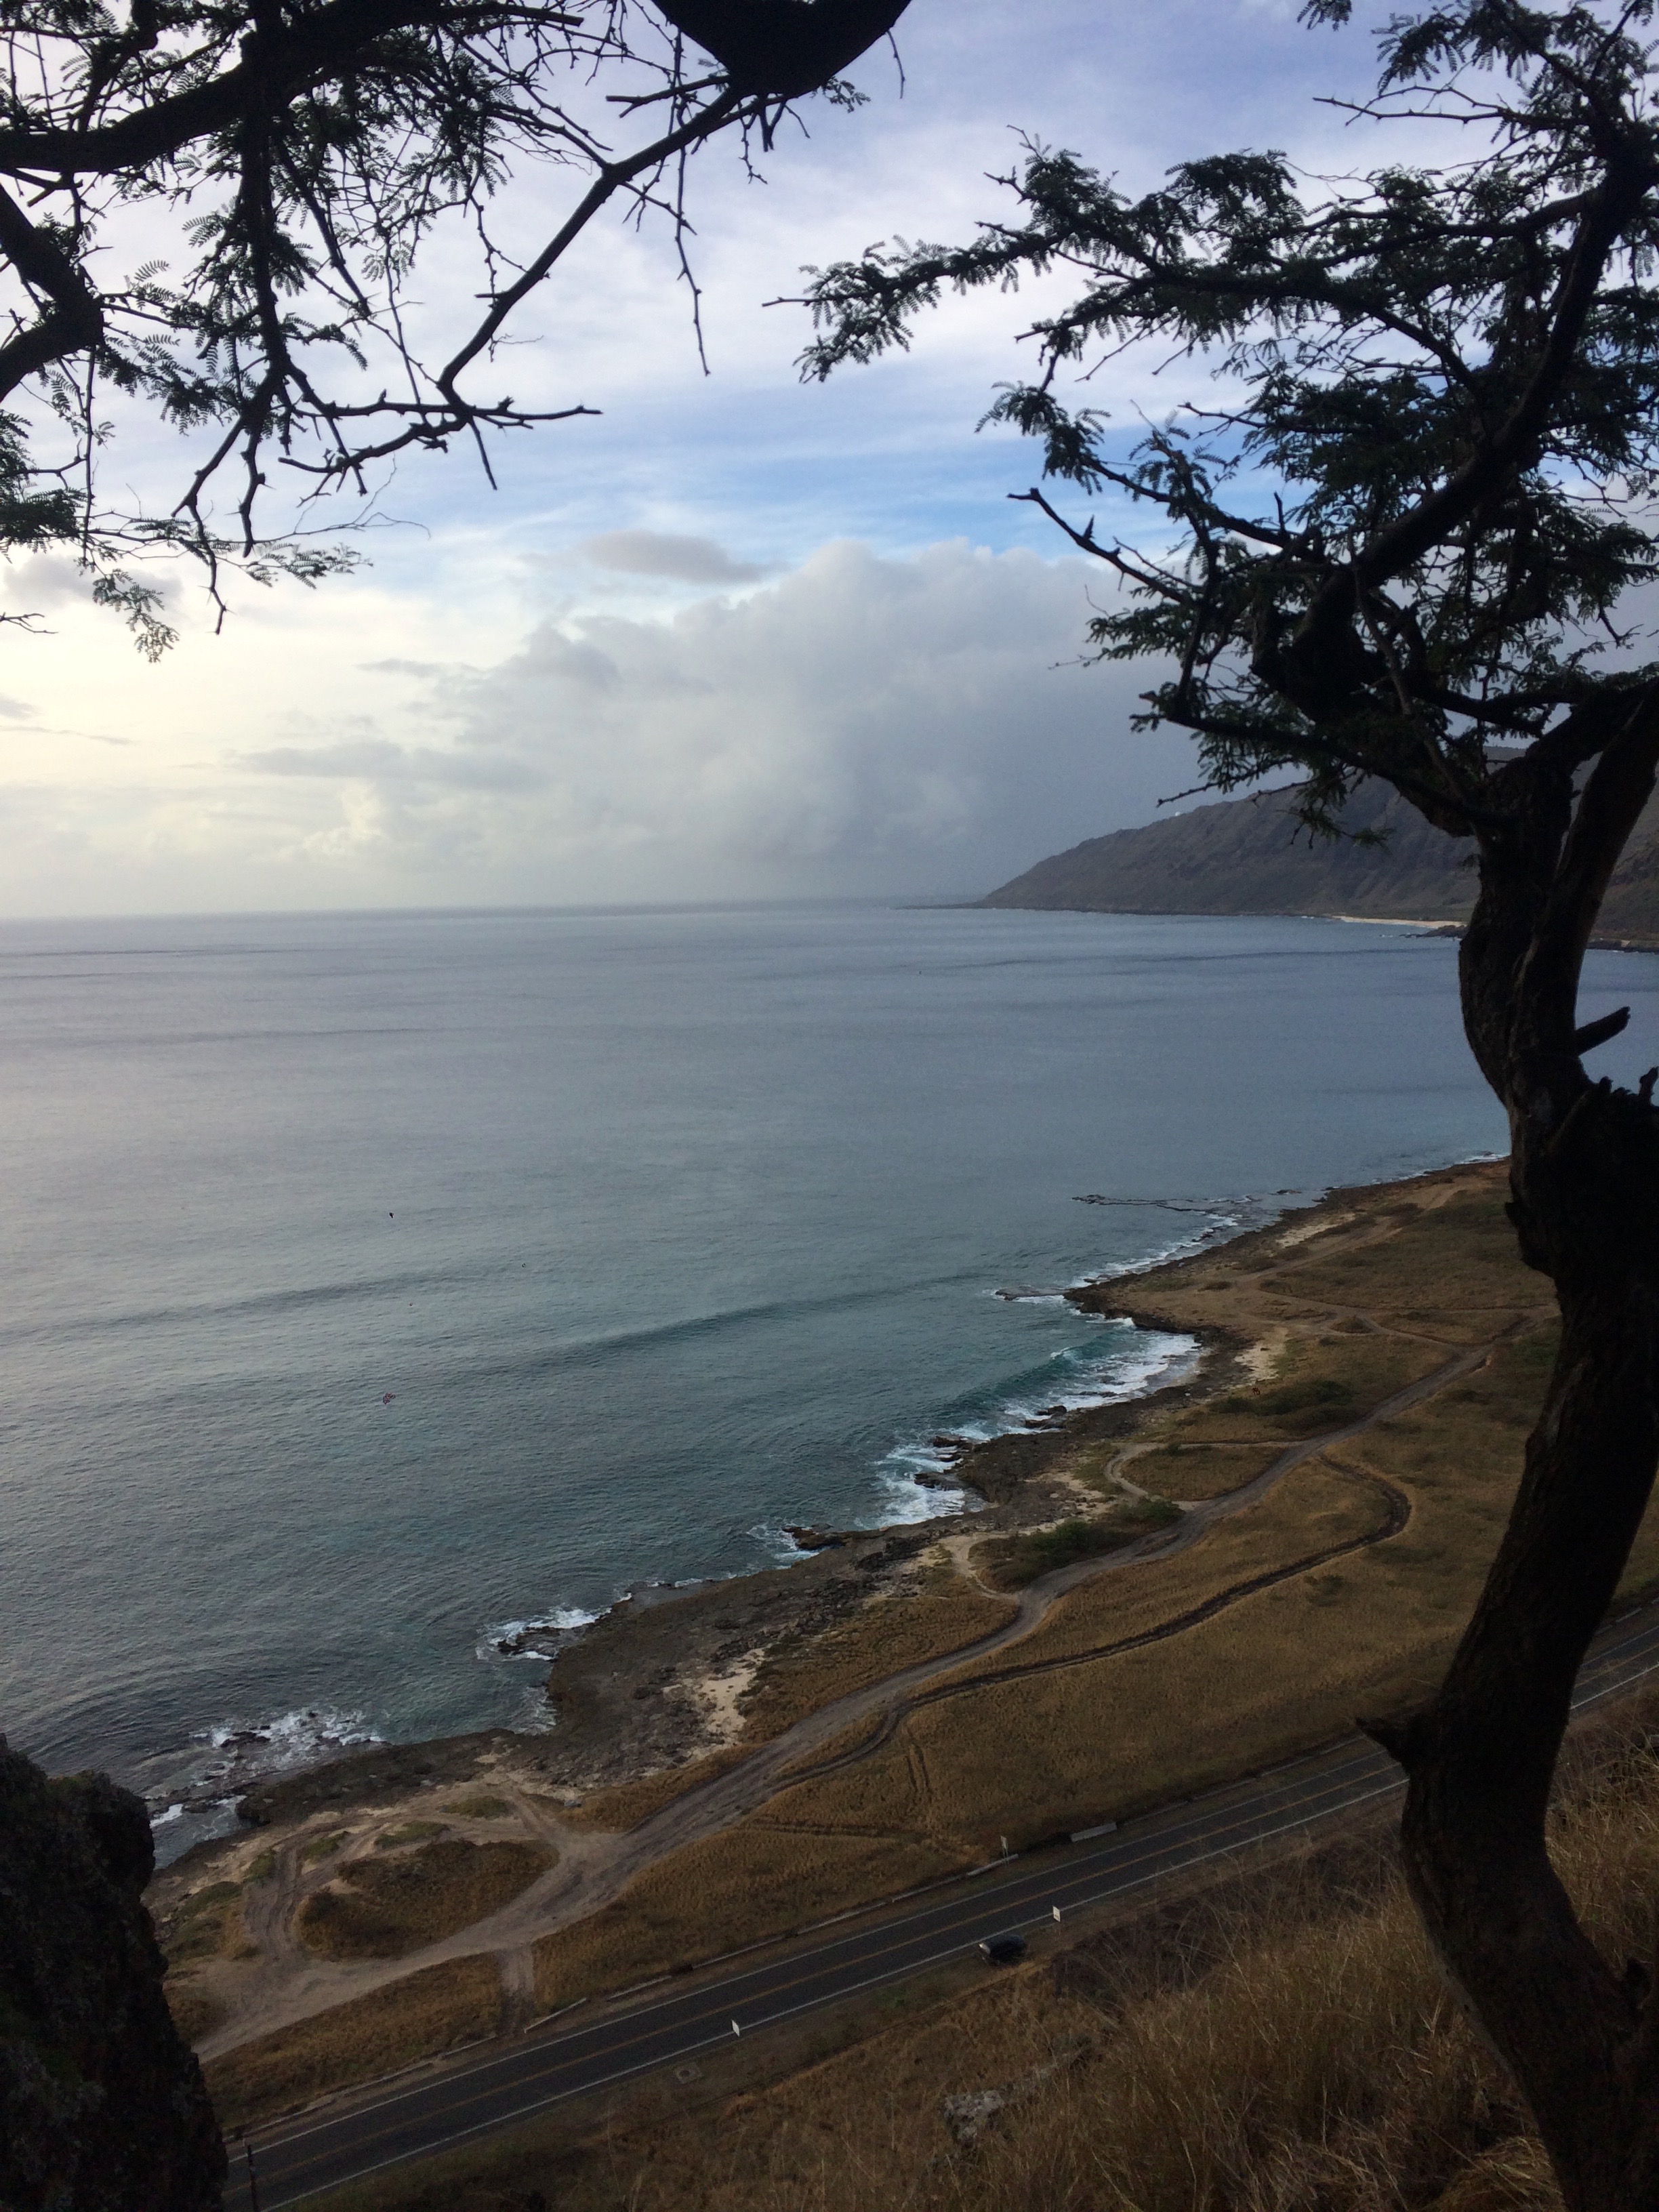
1407,540
280,165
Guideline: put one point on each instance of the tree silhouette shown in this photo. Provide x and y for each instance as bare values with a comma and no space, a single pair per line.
1407,540
281,164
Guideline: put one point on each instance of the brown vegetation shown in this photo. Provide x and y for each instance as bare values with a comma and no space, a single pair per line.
206,1924
1288,1617
407,1832
759,1879
1275,1656
1010,1563
1317,1383
1190,1472
453,2004
381,1908
1339,1591
1279,2039
322,1847
800,1674
630,1802
195,2010
1451,1272
888,1635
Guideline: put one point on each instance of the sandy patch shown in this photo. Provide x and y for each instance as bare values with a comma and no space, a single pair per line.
1301,1234
720,1695
1398,921
1259,1361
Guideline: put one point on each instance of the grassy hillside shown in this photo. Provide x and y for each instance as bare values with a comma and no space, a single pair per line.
1247,856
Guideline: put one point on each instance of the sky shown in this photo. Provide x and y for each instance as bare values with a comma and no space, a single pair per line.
735,637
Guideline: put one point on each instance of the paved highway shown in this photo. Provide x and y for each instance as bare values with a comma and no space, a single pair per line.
591,2047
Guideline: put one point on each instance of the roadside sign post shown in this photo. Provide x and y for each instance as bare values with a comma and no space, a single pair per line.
252,2177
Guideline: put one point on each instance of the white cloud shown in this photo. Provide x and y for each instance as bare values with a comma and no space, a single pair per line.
862,726
516,702
379,761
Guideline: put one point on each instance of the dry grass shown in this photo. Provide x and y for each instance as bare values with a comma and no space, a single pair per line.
800,1675
1045,1750
446,2005
1195,1471
1317,1383
1329,2066
1281,2042
1311,1510
1040,1751
1076,1737
754,1880
195,2010
480,1808
1286,1667
207,1923
889,1634
1453,1272
1283,1668
1009,1563
382,1908
1513,2176
626,1805
407,1832
324,1847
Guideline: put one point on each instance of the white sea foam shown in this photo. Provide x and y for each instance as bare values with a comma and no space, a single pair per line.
300,1738
776,1539
915,1477
197,1791
903,1498
498,1640
536,1715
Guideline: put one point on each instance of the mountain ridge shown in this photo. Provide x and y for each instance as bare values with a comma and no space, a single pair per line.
1248,856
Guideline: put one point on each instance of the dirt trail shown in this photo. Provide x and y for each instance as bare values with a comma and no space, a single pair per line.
594,1866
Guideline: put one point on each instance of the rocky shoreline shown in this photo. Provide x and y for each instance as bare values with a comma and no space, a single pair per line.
657,1682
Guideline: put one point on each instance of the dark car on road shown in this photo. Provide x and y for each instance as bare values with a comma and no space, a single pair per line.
1003,1950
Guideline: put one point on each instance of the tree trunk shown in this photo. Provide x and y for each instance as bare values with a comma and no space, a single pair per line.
1581,2041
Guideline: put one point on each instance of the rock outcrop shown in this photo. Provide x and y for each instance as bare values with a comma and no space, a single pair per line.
102,2108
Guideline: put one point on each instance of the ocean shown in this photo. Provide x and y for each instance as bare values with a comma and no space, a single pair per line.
380,1283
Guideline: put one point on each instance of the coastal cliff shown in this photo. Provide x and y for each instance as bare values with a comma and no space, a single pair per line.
102,2106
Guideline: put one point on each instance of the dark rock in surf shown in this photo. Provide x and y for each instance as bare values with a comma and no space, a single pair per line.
815,1540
